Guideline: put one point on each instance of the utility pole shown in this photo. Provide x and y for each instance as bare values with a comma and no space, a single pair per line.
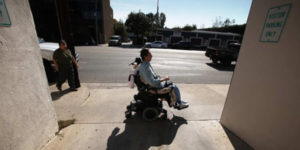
58,20
96,21
157,19
157,10
157,13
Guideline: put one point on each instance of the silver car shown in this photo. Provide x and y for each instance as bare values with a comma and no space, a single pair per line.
115,40
158,44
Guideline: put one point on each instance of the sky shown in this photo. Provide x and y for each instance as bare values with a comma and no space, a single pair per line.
202,13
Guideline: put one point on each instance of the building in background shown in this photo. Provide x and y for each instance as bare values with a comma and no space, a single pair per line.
91,20
196,37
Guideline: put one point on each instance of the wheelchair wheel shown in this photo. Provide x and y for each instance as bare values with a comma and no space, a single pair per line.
150,114
165,114
128,114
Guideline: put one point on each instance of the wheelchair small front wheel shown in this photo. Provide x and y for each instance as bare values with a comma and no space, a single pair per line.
128,114
150,114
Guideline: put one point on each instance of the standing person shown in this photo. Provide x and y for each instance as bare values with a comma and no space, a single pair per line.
149,76
63,61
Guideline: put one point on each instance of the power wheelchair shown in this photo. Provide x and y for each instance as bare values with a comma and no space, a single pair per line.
148,101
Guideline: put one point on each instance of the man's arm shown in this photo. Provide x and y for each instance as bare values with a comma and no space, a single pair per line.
75,62
148,77
165,79
73,59
55,64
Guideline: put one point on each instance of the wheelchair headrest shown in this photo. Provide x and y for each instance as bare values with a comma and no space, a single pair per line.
137,60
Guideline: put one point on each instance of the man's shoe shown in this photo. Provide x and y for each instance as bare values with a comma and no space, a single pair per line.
73,89
59,88
182,105
183,102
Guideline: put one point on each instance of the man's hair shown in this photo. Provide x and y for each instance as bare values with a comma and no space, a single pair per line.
144,53
62,42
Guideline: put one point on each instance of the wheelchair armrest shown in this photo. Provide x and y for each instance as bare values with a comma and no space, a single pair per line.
168,84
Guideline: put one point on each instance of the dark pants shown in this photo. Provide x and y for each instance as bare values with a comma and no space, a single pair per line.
65,72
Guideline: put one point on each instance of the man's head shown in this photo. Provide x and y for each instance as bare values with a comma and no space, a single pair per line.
63,45
146,55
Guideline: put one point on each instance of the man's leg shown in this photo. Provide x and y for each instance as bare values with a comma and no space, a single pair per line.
177,92
71,80
179,103
61,77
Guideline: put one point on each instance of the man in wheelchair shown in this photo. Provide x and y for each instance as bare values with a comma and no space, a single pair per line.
149,77
152,90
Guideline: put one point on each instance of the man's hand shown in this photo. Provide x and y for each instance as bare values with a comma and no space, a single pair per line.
165,79
55,64
74,61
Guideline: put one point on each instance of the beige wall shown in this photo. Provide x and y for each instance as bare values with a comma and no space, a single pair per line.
27,117
263,103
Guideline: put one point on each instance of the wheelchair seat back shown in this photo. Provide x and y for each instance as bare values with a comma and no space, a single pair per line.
138,82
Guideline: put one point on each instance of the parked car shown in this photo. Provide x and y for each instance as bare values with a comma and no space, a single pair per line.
224,55
115,40
47,50
199,47
182,45
157,44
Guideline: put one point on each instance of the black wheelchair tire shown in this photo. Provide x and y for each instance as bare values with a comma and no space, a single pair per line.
150,114
128,114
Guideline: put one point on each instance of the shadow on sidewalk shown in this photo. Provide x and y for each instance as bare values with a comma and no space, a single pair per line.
221,67
141,135
56,95
237,142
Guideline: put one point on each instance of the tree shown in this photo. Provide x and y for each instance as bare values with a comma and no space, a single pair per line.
159,20
156,20
226,23
144,24
139,24
163,19
189,27
151,17
152,20
219,23
176,28
233,29
119,29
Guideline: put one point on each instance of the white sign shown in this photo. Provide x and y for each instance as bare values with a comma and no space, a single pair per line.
4,16
274,23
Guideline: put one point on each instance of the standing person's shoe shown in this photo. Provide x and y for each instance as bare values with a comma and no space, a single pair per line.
59,88
73,89
182,105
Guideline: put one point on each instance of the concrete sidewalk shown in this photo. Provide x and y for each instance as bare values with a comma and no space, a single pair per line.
100,123
68,102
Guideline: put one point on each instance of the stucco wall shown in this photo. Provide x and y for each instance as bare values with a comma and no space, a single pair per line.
262,105
27,117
